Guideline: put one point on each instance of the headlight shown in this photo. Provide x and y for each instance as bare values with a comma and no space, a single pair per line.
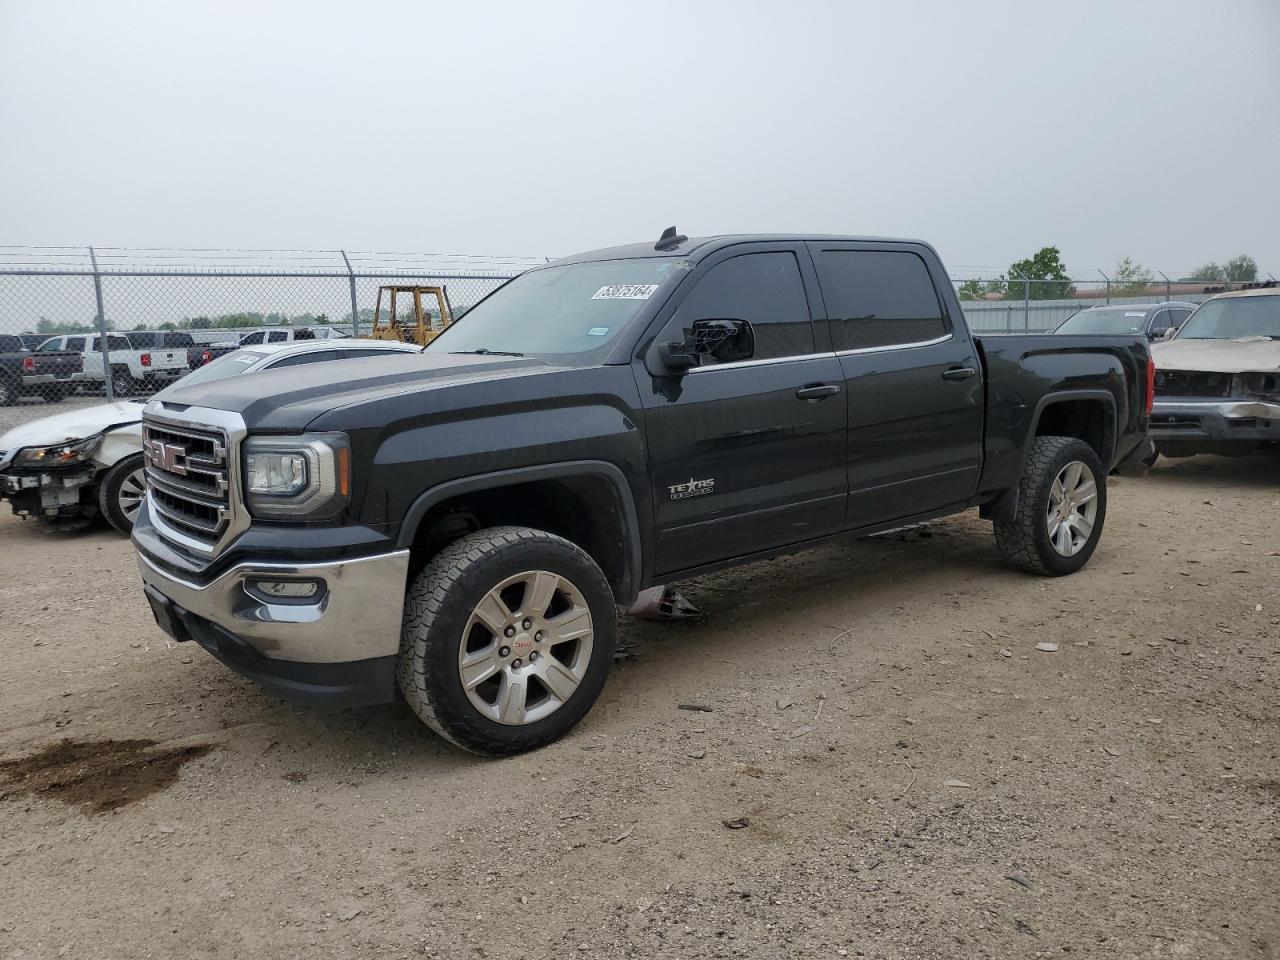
68,454
294,478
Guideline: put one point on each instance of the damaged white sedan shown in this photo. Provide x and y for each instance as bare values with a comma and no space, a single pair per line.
75,467
1217,387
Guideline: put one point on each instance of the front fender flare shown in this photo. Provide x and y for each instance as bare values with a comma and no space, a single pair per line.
550,471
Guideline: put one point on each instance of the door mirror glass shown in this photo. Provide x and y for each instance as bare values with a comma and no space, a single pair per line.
1170,333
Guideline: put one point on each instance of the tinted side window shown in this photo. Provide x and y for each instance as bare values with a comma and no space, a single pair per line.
764,289
249,338
358,354
1179,317
178,340
1161,322
317,357
879,298
277,336
117,342
10,345
77,343
54,344
143,341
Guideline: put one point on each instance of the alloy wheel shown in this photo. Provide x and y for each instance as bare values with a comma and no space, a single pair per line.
526,648
1073,508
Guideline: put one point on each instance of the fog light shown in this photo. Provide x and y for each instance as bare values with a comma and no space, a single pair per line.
287,589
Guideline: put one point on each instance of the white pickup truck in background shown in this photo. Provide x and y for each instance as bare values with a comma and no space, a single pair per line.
138,361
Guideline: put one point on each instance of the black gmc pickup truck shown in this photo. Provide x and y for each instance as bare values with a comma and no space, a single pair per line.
462,523
47,373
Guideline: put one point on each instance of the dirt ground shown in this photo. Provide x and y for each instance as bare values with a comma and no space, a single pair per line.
916,779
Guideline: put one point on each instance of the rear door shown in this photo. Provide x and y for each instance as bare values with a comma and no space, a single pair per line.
748,455
913,381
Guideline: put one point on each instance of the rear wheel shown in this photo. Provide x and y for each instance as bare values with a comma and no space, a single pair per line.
121,381
1062,504
507,639
121,492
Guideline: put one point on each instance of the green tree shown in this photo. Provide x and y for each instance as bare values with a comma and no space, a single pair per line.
981,289
1241,269
1049,276
1130,279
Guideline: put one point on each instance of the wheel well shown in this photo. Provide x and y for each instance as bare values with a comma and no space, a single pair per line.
1087,420
582,509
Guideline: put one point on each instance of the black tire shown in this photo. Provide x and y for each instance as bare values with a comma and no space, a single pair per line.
9,393
122,384
121,476
438,607
1025,540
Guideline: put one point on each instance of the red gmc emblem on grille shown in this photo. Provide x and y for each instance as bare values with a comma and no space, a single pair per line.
170,457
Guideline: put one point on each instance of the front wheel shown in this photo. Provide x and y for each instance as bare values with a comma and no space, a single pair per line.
121,491
1062,504
507,639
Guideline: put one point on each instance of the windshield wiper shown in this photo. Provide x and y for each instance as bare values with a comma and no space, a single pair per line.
485,351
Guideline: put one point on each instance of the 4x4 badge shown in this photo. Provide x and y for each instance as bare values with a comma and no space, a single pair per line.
694,488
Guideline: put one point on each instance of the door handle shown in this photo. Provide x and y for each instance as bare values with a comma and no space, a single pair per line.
818,391
958,373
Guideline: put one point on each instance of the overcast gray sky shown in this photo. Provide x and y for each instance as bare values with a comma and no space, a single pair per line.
990,127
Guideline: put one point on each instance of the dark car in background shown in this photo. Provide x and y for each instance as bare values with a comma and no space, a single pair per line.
1153,320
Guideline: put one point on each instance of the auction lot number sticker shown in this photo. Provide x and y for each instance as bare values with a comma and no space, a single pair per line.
626,291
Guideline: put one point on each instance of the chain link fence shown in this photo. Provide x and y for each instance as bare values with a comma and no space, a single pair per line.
80,326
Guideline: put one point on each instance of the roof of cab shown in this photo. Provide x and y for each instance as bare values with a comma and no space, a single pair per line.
699,247
1268,291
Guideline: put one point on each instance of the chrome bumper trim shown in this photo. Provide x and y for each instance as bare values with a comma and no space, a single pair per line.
356,617
1231,409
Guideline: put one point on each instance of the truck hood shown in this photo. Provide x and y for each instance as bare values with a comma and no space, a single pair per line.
1246,355
72,425
292,398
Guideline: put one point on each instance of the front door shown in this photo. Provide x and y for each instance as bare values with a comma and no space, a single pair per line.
748,455
913,380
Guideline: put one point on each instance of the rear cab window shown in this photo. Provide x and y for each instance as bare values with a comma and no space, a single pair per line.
879,299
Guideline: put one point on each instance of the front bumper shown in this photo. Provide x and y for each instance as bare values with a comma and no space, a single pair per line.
1211,423
47,494
338,647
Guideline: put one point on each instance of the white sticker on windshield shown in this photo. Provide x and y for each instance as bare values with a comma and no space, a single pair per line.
598,332
626,291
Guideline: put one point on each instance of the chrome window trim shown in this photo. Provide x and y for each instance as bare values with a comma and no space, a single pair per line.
735,364
857,351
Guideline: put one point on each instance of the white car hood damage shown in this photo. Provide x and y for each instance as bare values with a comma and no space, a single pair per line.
1246,355
72,425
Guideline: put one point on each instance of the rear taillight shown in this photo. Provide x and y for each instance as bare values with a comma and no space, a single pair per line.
206,356
146,359
28,364
1151,385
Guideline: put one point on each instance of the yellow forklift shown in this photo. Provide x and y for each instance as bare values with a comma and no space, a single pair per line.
422,325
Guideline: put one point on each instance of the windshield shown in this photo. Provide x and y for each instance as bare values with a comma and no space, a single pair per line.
577,308
241,361
1233,317
1117,320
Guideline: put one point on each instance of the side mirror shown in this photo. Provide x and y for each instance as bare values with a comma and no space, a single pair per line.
1170,333
725,341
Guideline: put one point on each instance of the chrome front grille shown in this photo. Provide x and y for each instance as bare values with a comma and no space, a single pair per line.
189,480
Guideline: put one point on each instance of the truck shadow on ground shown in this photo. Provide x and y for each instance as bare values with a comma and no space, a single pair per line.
1257,470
